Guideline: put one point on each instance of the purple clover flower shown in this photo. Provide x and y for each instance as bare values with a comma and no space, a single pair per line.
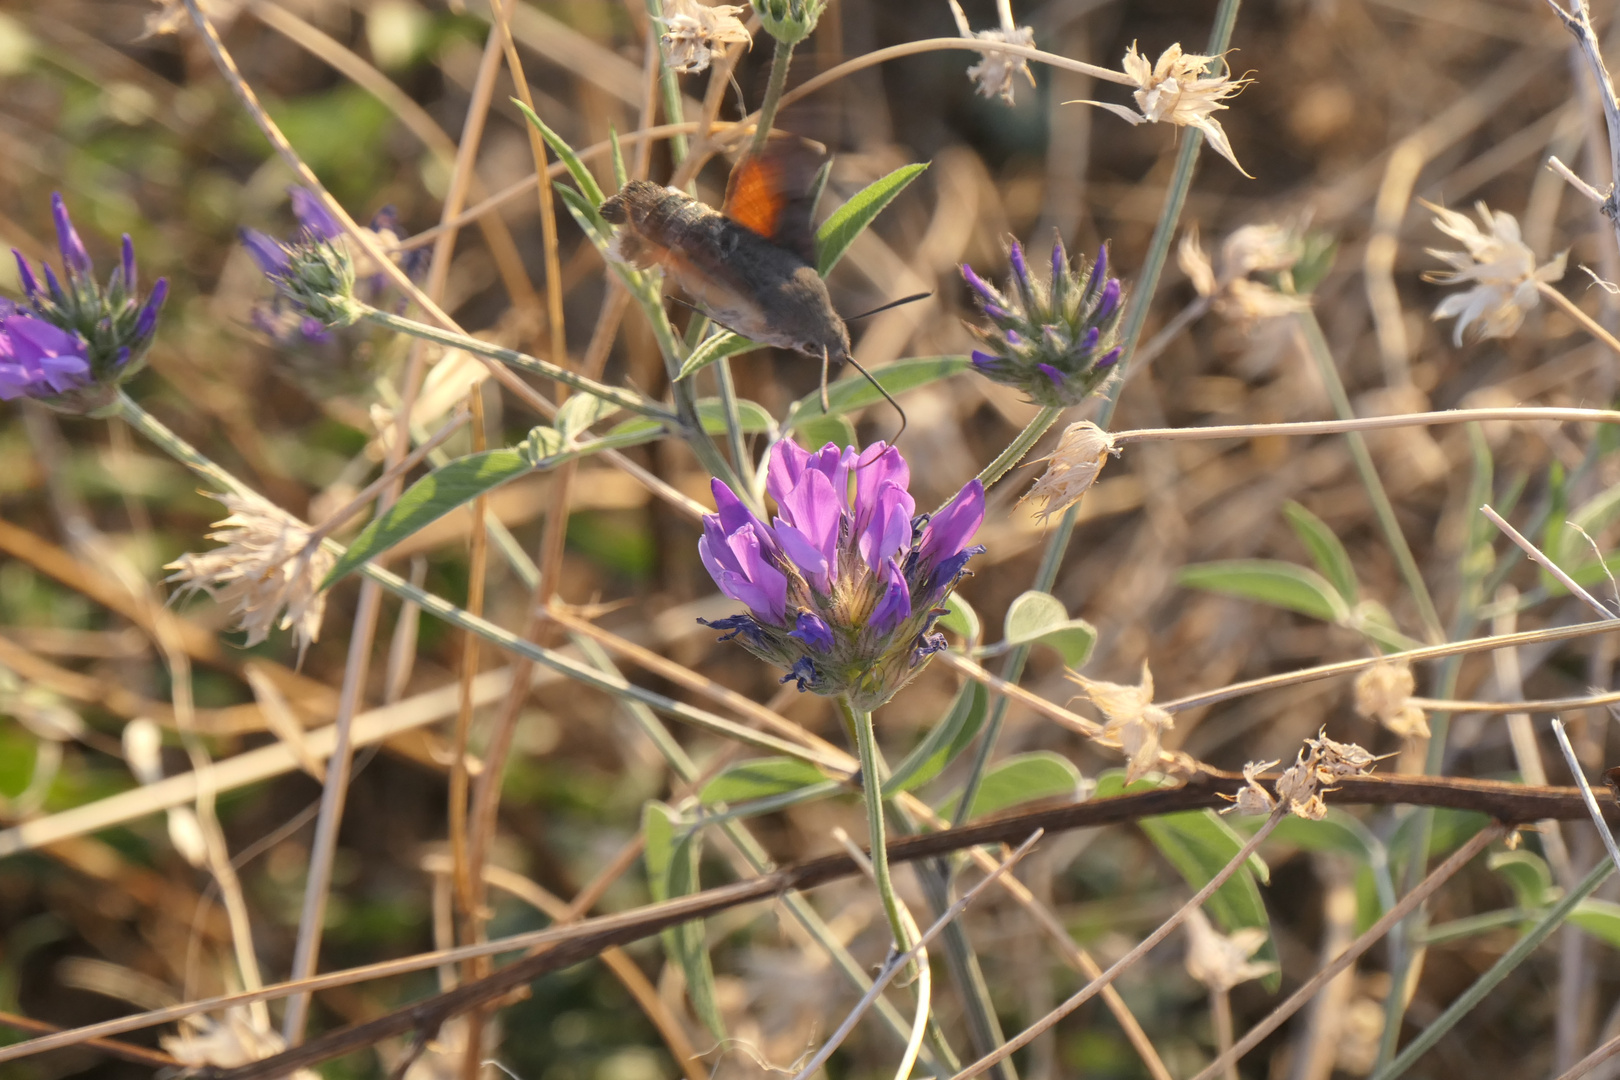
844,584
1056,340
77,339
314,273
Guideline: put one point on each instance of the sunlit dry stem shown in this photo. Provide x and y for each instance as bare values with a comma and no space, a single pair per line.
1087,992
1375,933
1543,560
1367,423
1570,308
1586,792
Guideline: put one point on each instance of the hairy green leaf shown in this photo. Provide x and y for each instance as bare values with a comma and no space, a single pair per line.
850,220
671,858
941,745
1326,551
1022,778
1269,581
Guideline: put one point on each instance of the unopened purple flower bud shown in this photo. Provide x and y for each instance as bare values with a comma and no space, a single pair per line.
1060,258
1099,270
1051,373
1089,342
986,292
75,259
1109,358
127,266
53,286
984,360
1110,297
266,251
1013,338
1020,269
147,320
813,630
995,311
25,274
313,215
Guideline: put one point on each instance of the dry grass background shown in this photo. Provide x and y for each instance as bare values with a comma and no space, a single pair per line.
1358,108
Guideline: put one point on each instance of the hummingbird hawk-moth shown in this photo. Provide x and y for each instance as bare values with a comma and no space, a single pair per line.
749,266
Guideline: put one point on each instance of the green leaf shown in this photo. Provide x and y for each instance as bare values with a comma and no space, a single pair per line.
850,220
716,347
760,779
1041,617
752,414
672,870
1373,619
1269,581
1022,778
541,443
818,431
565,153
854,392
1527,875
593,225
960,618
579,413
621,175
1600,918
940,746
1199,844
429,499
1326,550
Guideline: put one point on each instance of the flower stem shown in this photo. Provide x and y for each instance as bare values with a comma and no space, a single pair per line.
872,794
625,399
1015,451
780,59
1317,346
670,87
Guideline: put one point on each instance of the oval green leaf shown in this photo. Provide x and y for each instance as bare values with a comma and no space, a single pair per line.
716,347
1022,778
671,858
1270,581
752,415
759,779
1326,551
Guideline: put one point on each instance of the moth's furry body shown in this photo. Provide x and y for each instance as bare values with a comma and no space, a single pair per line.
745,282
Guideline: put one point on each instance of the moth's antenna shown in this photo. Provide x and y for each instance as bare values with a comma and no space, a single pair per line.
826,406
912,299
886,396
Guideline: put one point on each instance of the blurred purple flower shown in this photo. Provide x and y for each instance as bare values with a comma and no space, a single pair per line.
76,340
843,586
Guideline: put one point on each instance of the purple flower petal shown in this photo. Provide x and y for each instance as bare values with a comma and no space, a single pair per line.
1057,377
266,251
949,531
25,274
1108,359
984,359
804,671
733,513
38,355
738,624
786,466
313,215
894,606
813,630
809,527
928,645
75,259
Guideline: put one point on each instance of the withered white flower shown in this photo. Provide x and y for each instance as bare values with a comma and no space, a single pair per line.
1384,693
1073,468
1253,798
1221,961
1264,249
1133,723
1335,760
1501,265
695,35
225,1044
1178,90
265,570
996,73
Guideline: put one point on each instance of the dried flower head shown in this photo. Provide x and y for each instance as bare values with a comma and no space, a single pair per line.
1267,249
76,339
266,570
1253,798
1073,468
1222,961
1335,760
996,74
1501,265
1384,693
695,35
1180,90
1056,340
237,1039
844,585
1322,762
1133,723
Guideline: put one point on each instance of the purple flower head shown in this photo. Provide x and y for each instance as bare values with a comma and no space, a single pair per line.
835,583
78,339
272,258
75,259
1046,333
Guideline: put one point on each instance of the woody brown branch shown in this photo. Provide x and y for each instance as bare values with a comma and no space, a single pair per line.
1506,802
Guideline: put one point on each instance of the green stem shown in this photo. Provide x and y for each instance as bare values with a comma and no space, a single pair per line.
625,399
1021,444
1497,972
1317,346
780,59
872,795
669,85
